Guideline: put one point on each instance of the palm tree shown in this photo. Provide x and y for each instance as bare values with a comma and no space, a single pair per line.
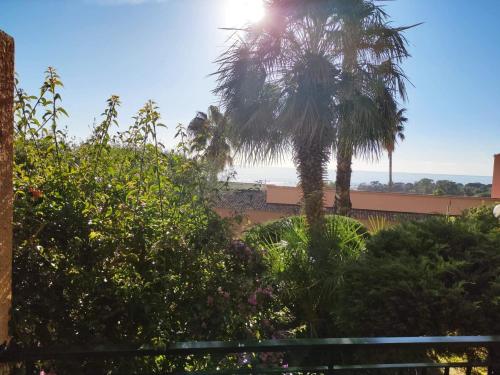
371,51
397,133
278,81
210,137
296,83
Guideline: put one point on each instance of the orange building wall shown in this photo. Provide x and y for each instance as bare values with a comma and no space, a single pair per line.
392,202
495,190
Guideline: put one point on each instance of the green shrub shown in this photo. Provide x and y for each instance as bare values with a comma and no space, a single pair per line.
307,289
481,219
432,277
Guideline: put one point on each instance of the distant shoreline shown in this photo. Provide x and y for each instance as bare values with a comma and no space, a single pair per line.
287,176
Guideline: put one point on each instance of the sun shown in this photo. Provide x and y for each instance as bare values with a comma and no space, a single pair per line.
241,12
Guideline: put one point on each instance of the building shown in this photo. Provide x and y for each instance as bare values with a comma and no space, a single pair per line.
495,189
257,204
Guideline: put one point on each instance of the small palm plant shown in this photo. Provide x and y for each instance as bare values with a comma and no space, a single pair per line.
308,288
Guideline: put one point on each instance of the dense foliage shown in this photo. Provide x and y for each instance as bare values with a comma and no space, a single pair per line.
433,277
418,278
307,287
428,186
116,241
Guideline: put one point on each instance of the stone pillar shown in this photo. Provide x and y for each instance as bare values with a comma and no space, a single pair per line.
6,190
495,190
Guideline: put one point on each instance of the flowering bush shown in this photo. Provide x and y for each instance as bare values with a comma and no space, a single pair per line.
116,242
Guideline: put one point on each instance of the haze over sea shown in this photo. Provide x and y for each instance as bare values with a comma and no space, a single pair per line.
287,176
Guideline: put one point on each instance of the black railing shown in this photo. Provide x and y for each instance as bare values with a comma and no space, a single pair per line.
398,355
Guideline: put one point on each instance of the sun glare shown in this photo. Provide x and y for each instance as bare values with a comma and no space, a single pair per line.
241,12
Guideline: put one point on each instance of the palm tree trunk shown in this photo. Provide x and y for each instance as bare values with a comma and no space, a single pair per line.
310,160
390,170
343,205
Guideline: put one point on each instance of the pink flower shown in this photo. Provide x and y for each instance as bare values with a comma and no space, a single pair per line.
268,291
252,299
226,295
210,300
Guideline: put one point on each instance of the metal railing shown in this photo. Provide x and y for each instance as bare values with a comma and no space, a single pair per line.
300,356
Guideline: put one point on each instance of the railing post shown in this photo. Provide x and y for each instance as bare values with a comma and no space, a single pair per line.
494,358
6,195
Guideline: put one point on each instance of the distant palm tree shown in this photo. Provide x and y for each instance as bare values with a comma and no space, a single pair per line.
397,133
210,137
371,50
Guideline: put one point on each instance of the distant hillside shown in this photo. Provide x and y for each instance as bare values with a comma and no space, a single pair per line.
428,186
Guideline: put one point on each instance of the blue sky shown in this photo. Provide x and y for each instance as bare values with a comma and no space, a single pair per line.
164,50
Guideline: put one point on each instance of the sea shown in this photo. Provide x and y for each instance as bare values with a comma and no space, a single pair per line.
287,176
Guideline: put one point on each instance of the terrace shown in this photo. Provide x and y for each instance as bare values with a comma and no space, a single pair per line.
171,353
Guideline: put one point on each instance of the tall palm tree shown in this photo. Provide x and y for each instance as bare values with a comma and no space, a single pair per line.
287,86
371,51
398,128
278,81
209,133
